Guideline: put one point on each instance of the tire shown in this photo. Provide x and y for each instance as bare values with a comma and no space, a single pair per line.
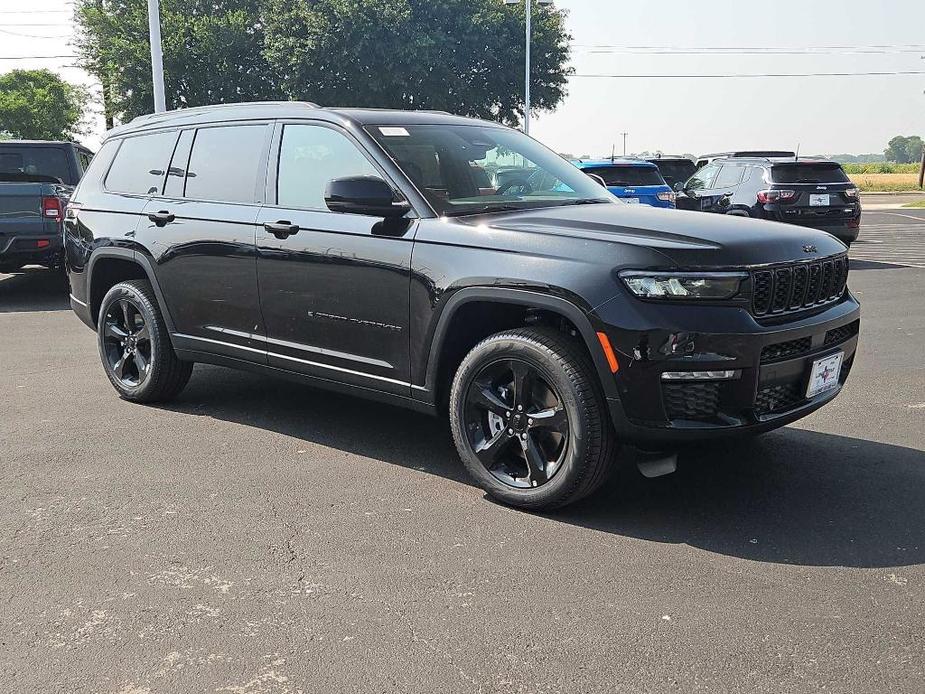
572,465
135,347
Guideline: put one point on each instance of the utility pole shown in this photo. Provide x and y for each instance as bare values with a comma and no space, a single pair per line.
529,9
624,143
157,56
922,170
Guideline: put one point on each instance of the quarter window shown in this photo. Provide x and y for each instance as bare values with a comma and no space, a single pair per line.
140,164
224,165
310,157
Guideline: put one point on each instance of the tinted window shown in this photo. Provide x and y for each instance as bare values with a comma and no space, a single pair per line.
808,173
140,164
673,171
310,157
224,163
622,176
703,179
84,159
34,161
729,176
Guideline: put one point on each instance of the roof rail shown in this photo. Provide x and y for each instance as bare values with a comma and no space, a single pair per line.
154,117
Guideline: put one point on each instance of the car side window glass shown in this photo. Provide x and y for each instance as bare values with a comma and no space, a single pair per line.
311,156
176,174
84,159
224,164
703,179
729,176
140,164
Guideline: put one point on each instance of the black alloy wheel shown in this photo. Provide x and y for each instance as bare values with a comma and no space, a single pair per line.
516,423
127,343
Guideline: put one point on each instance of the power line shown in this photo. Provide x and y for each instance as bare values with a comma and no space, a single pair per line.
918,46
35,57
736,76
34,36
860,51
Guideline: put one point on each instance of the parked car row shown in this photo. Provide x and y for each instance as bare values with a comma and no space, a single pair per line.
773,185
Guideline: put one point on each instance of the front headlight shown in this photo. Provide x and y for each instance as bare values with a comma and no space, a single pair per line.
683,285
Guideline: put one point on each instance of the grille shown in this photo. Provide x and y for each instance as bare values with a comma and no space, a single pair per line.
786,350
692,401
798,286
778,398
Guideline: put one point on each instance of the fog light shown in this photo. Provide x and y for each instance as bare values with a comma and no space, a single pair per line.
700,375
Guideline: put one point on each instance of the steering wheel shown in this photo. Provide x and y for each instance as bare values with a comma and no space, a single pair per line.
525,187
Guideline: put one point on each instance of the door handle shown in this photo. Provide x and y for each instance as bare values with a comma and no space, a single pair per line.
282,229
161,218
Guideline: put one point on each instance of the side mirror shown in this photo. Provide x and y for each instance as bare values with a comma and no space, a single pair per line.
679,187
366,195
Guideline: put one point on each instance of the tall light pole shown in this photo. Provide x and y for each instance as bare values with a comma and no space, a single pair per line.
529,12
157,56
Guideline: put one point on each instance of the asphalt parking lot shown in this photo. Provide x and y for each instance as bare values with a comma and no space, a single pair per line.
259,536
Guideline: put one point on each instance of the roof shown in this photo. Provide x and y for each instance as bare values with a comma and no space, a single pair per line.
618,161
265,110
779,160
669,157
36,142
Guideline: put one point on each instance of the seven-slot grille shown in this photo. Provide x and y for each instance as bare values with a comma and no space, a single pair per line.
798,286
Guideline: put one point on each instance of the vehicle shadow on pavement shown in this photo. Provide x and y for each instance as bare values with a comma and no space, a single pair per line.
33,289
790,497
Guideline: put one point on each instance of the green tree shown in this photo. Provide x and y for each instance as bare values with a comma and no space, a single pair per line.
213,53
39,105
462,56
904,150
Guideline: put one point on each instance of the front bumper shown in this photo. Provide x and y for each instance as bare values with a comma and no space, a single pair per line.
772,364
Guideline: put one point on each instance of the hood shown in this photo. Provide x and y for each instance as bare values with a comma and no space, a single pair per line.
689,239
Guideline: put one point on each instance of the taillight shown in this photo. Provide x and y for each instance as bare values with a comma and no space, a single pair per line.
852,193
670,196
766,196
51,208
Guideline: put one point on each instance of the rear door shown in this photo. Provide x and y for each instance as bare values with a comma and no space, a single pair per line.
698,186
200,232
725,187
335,288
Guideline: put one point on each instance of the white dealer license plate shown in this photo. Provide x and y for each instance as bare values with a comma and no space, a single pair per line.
824,375
819,200
631,201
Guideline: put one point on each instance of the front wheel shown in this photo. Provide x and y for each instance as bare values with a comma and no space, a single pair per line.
135,345
529,421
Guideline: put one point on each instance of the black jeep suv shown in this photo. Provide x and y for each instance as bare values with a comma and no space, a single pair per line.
359,250
809,192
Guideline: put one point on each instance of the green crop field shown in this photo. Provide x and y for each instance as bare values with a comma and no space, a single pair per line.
883,168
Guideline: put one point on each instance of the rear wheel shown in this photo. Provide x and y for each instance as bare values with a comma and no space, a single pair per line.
135,345
529,421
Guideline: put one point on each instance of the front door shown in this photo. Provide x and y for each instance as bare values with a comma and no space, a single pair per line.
333,286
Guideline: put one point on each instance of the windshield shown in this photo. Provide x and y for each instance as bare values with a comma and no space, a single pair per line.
471,169
40,163
808,173
623,176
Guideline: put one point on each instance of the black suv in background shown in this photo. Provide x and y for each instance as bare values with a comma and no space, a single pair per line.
360,250
809,192
674,169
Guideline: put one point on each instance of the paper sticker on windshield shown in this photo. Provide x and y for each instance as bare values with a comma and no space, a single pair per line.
394,132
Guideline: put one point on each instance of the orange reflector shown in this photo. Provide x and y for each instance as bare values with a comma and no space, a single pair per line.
608,352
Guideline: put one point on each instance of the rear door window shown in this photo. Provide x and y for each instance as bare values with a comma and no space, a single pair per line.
628,176
730,176
21,162
140,164
809,173
703,179
225,162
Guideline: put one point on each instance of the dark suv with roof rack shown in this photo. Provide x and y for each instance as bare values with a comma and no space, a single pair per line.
370,252
809,192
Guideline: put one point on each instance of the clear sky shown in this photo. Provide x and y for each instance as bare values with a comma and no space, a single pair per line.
824,115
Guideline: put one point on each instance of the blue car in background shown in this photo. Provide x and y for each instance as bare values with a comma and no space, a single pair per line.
632,180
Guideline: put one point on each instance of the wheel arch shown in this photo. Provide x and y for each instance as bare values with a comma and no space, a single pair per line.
109,266
441,352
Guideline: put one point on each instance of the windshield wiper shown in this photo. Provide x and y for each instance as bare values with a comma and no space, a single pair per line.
582,201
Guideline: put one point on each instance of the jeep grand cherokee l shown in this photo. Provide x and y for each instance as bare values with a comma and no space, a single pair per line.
357,250
809,192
